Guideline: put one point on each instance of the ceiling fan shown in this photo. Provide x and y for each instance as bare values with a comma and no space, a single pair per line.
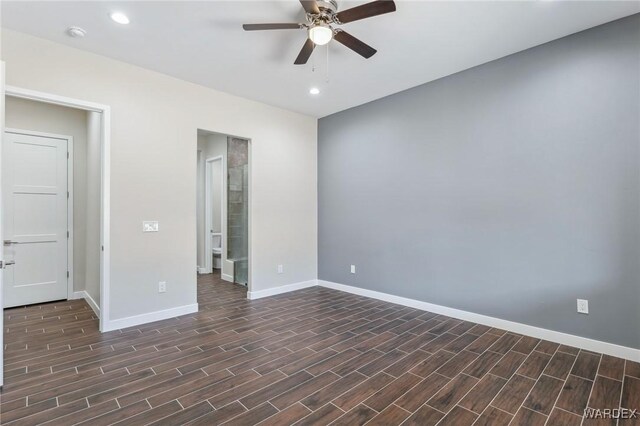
321,14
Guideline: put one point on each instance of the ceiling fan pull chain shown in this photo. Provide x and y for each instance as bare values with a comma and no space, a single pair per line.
327,81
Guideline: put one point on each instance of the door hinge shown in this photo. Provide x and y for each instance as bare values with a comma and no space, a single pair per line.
67,155
67,234
67,274
67,195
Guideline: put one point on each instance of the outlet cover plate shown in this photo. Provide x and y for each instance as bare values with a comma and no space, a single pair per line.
583,306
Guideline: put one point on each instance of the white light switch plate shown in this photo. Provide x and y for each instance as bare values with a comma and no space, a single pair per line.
150,226
353,269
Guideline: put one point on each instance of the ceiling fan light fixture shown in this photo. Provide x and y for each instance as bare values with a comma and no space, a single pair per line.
320,34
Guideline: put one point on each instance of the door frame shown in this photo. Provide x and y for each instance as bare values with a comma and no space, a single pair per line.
105,185
69,139
2,99
208,224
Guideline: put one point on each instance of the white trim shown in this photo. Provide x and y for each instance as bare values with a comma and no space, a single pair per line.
200,225
252,295
2,100
105,215
105,220
249,218
86,296
208,262
202,271
229,278
50,98
69,140
70,224
150,317
36,133
537,332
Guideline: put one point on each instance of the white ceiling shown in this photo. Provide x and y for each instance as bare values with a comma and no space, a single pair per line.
203,42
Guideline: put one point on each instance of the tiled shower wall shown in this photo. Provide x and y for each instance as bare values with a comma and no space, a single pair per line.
238,207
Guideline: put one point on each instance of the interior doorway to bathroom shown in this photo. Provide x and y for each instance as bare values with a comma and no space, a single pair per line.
223,206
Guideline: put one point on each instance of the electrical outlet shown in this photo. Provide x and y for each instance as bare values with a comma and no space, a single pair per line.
353,269
583,306
280,269
162,287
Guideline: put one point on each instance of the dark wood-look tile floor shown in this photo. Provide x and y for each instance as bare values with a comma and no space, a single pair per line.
315,356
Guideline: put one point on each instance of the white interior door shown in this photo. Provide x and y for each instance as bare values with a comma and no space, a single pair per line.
34,188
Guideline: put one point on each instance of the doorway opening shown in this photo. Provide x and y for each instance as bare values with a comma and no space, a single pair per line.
55,201
42,224
223,206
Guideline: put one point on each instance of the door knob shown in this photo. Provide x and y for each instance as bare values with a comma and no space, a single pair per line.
8,242
3,264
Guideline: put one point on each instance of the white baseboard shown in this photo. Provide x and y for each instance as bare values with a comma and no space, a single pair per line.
282,289
537,332
92,303
226,277
150,317
203,271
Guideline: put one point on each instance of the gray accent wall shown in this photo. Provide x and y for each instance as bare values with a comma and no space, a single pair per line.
509,190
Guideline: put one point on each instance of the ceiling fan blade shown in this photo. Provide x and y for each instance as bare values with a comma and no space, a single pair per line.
310,6
378,7
354,44
259,27
305,53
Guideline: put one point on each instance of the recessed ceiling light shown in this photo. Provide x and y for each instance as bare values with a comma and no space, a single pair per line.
120,18
76,32
314,91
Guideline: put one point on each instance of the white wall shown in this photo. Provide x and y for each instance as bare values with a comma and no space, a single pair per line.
153,171
216,196
37,116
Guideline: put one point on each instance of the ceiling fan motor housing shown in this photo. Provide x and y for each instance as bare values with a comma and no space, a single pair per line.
328,9
329,5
